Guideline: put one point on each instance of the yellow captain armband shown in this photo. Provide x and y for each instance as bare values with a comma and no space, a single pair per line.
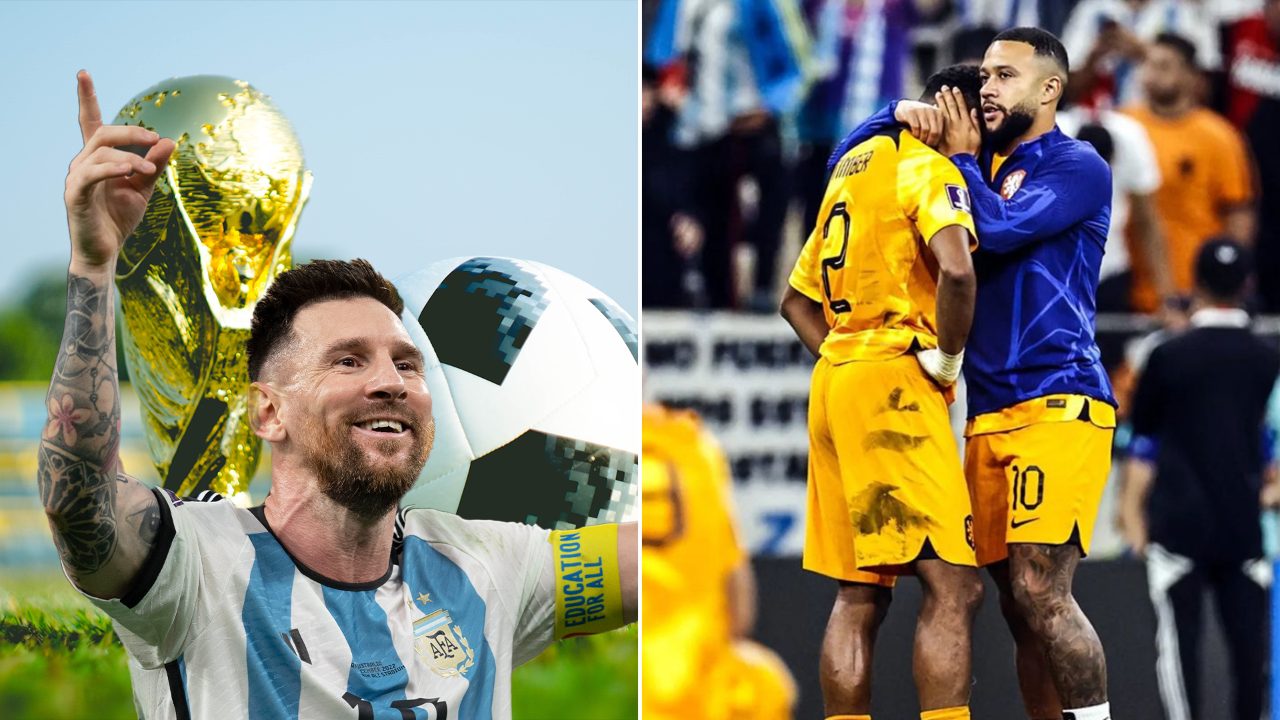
588,587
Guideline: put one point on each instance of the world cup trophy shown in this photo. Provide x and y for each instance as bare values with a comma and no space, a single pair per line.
218,230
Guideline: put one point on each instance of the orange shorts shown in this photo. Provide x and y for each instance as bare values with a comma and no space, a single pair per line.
884,472
1036,472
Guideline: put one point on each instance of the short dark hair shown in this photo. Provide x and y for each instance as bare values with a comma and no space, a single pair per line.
1100,138
965,77
305,284
1180,45
1045,43
1223,267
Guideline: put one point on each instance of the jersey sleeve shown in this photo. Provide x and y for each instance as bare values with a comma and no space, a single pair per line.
520,565
1065,189
805,275
157,616
1235,179
932,192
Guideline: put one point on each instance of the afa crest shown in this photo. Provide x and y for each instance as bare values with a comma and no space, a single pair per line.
439,641
1012,184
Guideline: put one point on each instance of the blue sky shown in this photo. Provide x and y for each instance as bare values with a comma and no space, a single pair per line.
433,129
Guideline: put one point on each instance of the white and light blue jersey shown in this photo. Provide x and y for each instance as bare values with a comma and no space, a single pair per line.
223,623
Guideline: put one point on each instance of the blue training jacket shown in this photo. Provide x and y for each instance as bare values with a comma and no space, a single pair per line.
1039,252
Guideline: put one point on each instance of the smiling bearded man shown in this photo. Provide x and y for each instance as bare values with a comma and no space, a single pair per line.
370,454
323,602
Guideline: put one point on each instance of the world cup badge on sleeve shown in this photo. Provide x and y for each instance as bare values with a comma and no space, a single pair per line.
959,198
438,640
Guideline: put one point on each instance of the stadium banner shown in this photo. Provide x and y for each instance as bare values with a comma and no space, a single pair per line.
748,377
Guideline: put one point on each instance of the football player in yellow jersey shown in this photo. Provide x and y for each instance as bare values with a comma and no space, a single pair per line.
883,294
699,591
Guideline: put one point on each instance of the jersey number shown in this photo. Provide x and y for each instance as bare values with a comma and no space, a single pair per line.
1021,480
837,305
404,706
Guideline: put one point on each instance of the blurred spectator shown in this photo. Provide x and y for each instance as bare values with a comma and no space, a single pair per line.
970,45
1252,62
670,234
958,31
1106,40
745,72
860,56
1194,485
1264,138
1252,50
1135,177
1207,188
998,14
699,589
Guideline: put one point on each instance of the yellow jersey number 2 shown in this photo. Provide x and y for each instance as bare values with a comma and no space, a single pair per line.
837,305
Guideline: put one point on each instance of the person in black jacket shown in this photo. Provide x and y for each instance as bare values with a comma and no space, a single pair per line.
1195,484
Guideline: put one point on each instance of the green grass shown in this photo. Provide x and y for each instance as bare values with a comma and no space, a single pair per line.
590,678
60,659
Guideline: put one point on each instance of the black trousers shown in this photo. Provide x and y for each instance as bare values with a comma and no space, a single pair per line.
1177,585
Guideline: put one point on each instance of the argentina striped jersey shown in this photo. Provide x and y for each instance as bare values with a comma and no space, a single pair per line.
223,623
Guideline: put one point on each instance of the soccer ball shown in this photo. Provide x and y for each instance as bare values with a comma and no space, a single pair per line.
535,388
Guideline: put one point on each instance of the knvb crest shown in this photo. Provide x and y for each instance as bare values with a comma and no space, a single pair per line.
438,640
1012,184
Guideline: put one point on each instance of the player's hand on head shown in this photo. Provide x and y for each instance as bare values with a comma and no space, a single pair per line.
961,131
941,366
108,187
923,120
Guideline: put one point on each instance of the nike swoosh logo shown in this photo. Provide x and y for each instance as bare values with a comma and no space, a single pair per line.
1015,524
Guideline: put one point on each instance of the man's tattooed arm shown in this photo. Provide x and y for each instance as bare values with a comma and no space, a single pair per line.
104,522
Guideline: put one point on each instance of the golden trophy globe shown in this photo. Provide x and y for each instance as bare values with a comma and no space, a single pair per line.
217,232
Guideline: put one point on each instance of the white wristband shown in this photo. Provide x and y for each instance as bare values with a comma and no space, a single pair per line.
949,367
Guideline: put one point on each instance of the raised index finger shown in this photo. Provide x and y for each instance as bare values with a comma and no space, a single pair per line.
90,115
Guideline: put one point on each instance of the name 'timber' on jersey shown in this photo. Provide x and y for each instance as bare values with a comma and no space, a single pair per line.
867,260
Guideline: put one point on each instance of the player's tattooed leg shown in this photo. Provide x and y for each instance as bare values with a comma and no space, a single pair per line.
1040,580
845,665
1039,696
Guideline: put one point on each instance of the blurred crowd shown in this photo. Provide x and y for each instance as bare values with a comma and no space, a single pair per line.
744,100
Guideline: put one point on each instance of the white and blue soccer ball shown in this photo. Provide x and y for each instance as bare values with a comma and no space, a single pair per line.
535,387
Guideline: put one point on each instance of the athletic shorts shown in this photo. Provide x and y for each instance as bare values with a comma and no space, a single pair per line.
884,472
1036,472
